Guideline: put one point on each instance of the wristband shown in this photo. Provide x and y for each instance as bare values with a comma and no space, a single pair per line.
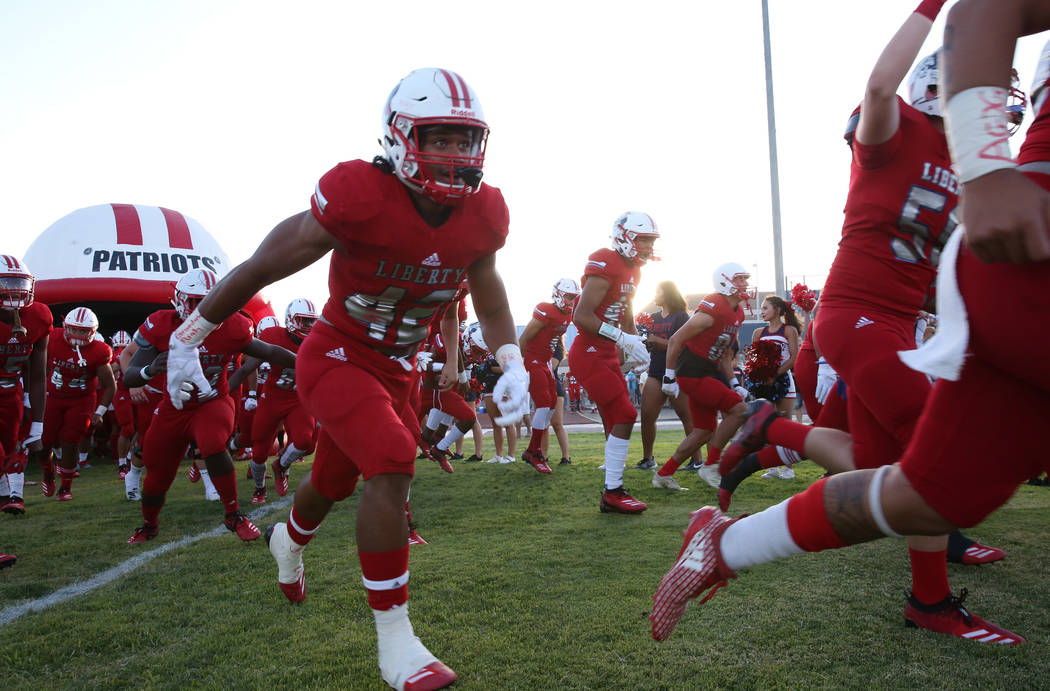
609,331
36,429
252,394
145,373
194,330
978,133
100,411
822,361
930,8
507,354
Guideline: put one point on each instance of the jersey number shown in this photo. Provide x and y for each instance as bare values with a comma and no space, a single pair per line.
380,313
919,243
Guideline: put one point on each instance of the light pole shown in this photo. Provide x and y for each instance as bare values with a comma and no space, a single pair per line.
774,178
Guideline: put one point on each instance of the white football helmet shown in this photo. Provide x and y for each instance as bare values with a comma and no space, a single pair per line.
191,289
474,343
923,85
430,97
629,227
121,339
265,323
300,316
566,292
725,279
80,326
16,283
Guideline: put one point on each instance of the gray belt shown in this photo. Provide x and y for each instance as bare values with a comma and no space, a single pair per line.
1035,167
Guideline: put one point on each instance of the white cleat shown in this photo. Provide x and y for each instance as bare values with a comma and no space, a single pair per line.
507,459
404,661
289,557
667,482
787,473
773,474
131,488
710,475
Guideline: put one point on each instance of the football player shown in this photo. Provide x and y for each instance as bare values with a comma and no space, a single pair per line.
76,362
25,328
898,219
204,414
605,318
123,410
403,232
539,339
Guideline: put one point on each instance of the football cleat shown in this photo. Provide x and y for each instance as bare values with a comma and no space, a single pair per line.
245,454
667,482
537,461
7,560
751,436
977,554
122,470
699,567
414,538
15,506
211,494
47,484
64,495
143,534
692,465
709,474
131,488
291,575
646,464
195,473
440,457
238,523
619,501
280,478
259,495
436,675
950,617
772,474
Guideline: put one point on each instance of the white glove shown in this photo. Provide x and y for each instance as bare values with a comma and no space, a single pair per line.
511,393
36,430
423,360
251,402
741,391
826,378
636,355
670,384
185,373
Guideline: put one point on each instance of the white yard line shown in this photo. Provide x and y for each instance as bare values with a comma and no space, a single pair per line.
9,614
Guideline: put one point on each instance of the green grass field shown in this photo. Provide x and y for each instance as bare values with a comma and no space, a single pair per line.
524,585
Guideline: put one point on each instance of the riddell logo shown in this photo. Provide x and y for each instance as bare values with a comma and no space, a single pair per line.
463,113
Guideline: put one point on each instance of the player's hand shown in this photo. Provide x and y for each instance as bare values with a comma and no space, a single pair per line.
447,379
636,355
670,384
138,395
511,394
1006,218
251,401
184,373
96,420
826,378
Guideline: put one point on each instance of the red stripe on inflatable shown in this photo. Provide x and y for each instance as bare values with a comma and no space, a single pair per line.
129,228
178,229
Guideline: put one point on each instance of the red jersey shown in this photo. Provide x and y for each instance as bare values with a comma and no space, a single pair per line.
232,336
14,350
73,372
280,383
554,321
393,271
712,343
623,277
899,214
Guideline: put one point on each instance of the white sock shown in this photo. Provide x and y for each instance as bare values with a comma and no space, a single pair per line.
434,419
291,454
258,474
401,653
759,538
615,461
5,487
134,473
58,452
83,456
17,483
209,486
453,435
541,419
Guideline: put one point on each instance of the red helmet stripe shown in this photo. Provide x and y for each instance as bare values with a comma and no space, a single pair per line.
11,262
310,306
178,229
466,91
452,88
129,227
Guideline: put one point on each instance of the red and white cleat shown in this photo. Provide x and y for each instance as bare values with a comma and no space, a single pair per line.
7,560
751,436
280,478
195,473
978,554
238,523
619,501
414,538
436,675
950,617
245,454
14,506
143,534
259,495
440,457
536,461
64,495
699,566
122,470
47,485
291,576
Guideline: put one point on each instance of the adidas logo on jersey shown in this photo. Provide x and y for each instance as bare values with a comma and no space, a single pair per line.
13,339
592,349
863,321
432,260
337,354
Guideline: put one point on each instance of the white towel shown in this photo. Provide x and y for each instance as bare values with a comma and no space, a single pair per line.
943,355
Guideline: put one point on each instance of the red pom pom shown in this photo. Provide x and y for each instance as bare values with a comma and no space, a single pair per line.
761,361
803,298
643,322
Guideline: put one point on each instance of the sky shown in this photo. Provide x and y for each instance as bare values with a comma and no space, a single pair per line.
229,112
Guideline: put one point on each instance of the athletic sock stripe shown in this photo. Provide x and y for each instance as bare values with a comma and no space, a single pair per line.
388,584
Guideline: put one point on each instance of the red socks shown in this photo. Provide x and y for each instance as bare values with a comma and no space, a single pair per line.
226,486
783,432
768,457
385,575
300,529
668,468
808,520
714,454
929,576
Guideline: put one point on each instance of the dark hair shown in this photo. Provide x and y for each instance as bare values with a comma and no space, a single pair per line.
786,313
672,297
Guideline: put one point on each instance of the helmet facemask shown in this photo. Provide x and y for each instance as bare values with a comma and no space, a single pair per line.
442,177
16,291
